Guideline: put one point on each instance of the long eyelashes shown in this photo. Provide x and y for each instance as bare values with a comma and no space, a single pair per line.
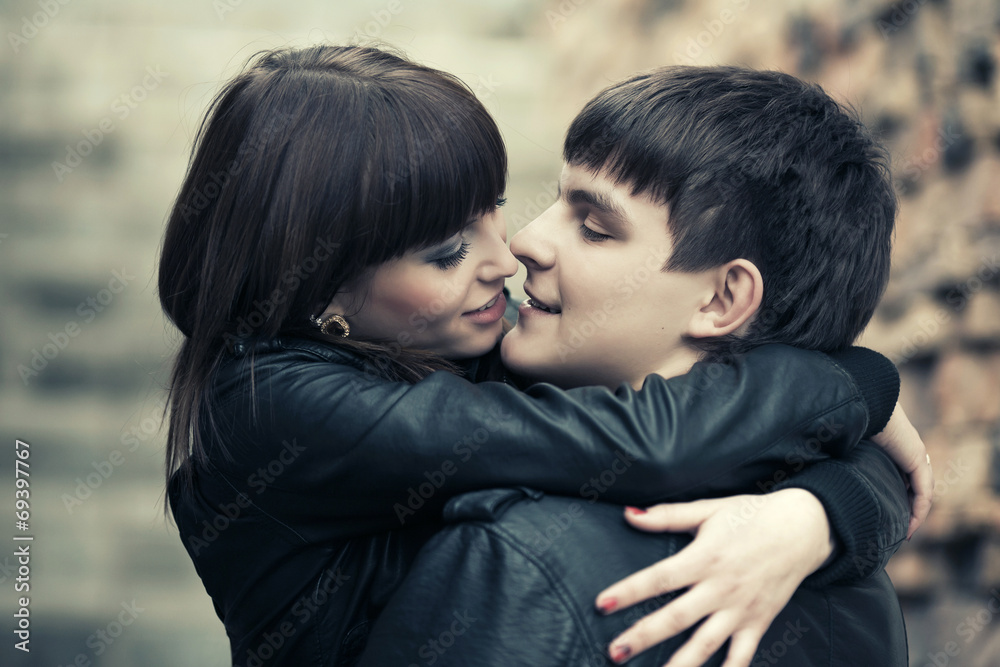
456,258
591,235
453,260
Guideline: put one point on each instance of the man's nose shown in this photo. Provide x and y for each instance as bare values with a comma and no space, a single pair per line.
532,245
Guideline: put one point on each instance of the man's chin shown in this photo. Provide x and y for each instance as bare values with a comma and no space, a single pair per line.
520,354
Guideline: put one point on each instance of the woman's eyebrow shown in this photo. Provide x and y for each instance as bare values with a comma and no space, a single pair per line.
609,210
441,247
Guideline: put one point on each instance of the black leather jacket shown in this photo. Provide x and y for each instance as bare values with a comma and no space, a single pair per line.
323,482
513,578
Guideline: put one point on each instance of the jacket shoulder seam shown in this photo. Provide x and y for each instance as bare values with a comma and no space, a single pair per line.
854,385
553,581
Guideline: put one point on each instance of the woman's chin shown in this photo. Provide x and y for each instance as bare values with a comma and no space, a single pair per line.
473,346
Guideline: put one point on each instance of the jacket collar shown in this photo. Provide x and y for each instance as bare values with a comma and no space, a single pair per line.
326,351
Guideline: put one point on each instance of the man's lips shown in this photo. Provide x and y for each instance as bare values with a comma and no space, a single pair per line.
534,302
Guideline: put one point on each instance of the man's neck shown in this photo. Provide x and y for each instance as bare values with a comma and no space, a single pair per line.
678,363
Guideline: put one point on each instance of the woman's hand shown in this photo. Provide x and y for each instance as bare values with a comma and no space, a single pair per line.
749,556
903,445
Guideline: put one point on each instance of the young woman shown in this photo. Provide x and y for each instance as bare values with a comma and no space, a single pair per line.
335,243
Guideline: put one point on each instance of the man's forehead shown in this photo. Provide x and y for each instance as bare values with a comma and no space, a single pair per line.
597,183
580,185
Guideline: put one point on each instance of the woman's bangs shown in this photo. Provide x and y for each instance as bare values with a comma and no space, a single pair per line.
451,166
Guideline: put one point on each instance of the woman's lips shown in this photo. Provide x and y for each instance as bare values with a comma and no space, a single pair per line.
493,311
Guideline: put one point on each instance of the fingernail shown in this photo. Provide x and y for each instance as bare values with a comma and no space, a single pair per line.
635,510
620,653
608,605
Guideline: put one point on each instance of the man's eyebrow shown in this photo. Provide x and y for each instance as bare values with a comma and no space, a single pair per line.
608,209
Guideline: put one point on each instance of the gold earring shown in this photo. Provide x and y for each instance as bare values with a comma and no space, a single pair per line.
324,325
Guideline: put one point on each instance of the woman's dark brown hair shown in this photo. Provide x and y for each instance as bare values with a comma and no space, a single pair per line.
311,167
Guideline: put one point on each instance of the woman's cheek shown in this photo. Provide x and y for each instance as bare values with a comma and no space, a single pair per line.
408,303
420,298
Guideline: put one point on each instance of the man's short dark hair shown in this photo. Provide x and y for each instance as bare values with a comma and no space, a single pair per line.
756,165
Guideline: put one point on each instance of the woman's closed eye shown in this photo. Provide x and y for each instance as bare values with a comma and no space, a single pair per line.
454,259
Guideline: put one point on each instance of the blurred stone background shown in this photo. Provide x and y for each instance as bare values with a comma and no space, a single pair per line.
100,100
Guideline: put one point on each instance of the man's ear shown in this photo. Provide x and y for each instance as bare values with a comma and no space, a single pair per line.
736,292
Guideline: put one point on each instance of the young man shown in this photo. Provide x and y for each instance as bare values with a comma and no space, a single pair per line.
702,213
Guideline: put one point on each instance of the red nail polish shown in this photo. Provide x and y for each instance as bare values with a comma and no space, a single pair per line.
608,605
635,510
620,653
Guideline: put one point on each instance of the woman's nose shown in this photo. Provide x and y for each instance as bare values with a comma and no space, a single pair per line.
499,262
531,245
